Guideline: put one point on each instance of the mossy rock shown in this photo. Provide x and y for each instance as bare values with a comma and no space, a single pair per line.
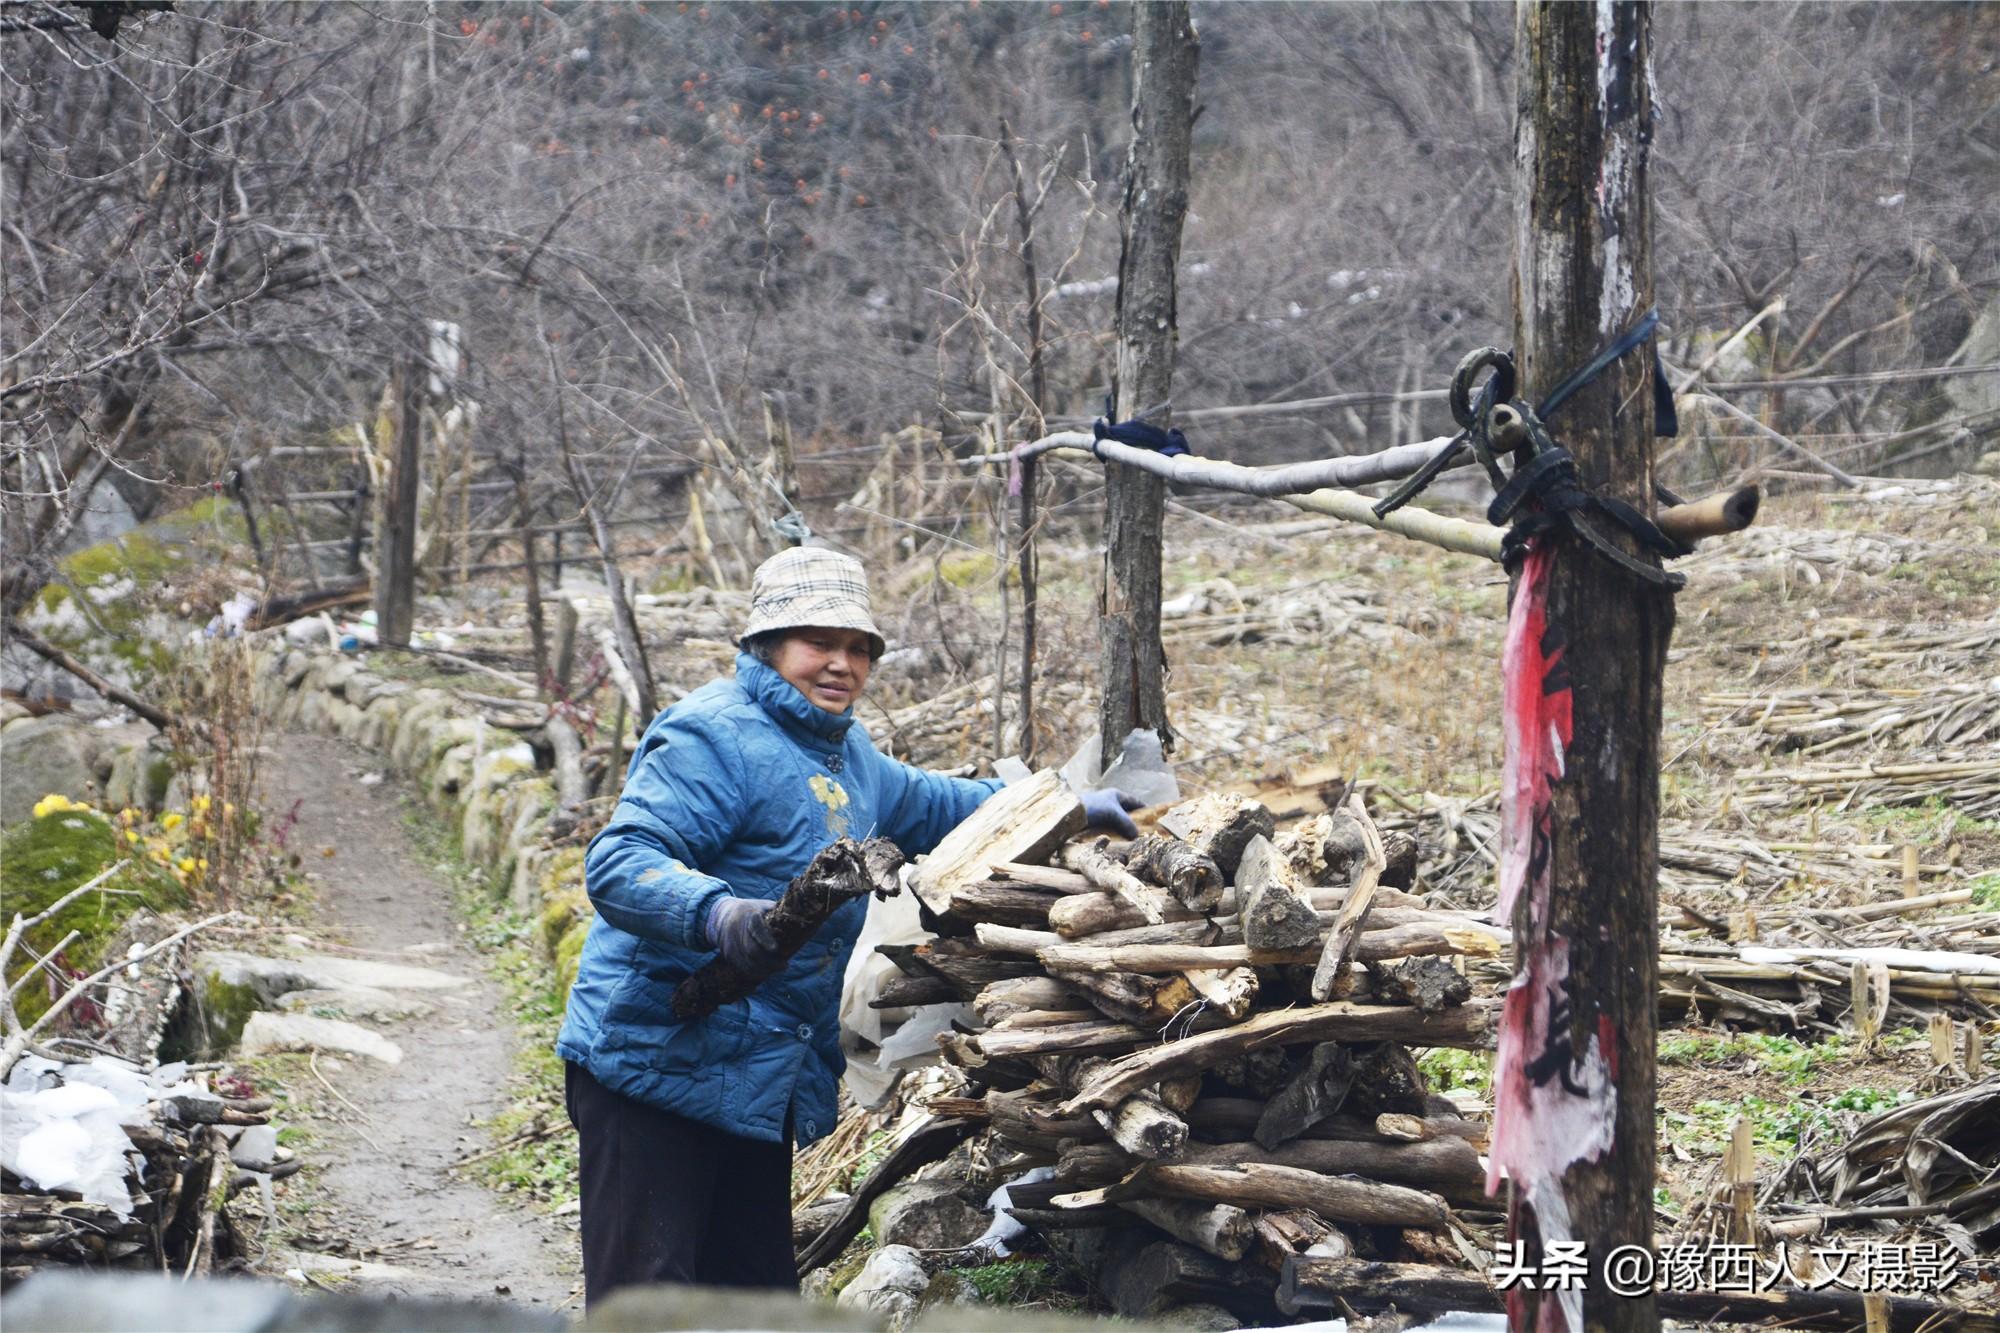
46,857
568,957
562,912
563,872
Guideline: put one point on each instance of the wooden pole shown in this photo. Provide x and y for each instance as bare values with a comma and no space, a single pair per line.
1038,390
396,559
1164,54
1588,938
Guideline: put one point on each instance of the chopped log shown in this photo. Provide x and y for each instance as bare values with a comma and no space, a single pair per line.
1052,878
1095,863
1024,822
1229,993
902,992
1448,1165
1129,997
1095,913
1372,946
1191,877
1430,984
842,872
1020,995
1219,826
1345,936
1313,1282
1335,1198
1043,1018
925,1144
969,967
1220,1229
1468,1026
1145,1128
1004,902
1399,851
808,1222
1201,931
1284,1232
1014,939
1273,913
1071,1039
1070,1219
1314,1093
1420,1129
1091,913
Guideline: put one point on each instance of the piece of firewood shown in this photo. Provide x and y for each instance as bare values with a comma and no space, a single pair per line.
1195,880
1219,826
1386,1078
1468,1026
1315,1092
1014,939
1221,1229
1130,997
1372,946
1335,1198
1054,879
1448,1165
1430,984
1280,1233
1143,1127
1023,822
1272,912
1004,903
1021,994
1229,992
842,871
903,992
1420,1129
1342,940
923,1144
1095,863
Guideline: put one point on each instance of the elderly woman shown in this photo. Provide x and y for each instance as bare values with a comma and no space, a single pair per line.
686,1128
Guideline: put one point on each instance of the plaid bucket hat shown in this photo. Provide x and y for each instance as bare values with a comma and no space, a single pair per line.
810,586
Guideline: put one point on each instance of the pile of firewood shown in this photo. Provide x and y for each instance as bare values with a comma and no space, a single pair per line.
1207,1035
147,1161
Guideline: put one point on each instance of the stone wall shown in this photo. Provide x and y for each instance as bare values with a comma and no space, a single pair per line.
482,779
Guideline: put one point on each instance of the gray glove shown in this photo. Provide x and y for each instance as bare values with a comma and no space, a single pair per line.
1105,808
738,931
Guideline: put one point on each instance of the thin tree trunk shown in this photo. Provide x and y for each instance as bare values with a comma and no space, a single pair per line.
1578,1034
395,557
1164,54
1038,391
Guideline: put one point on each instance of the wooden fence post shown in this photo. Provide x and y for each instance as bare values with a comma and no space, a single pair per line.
1584,274
1164,54
396,553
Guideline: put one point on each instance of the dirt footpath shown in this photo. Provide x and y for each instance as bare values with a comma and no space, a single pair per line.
384,1173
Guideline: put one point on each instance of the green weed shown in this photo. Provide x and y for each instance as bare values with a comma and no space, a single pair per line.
1793,1061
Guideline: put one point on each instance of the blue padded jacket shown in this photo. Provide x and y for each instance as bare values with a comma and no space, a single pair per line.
732,791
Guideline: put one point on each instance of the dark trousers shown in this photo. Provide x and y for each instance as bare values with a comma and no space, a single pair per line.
668,1199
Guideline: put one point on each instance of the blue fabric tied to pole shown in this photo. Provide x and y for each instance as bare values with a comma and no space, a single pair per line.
1141,435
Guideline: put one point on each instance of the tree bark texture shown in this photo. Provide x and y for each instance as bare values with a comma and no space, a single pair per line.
1580,1154
1164,54
396,555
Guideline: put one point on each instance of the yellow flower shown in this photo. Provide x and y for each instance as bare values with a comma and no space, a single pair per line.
186,863
200,804
54,803
170,820
228,808
201,863
132,836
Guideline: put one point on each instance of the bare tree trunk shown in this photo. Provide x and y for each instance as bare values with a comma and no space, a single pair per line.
396,557
1038,390
1587,940
1164,54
